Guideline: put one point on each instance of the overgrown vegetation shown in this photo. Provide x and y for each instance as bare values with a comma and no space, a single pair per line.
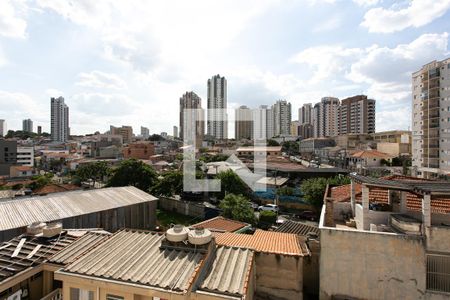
238,208
313,189
133,172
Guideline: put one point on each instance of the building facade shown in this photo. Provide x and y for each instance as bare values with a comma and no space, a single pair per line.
27,125
305,114
282,116
8,156
145,132
357,115
25,156
60,130
295,128
217,104
325,117
175,131
243,128
3,131
125,131
191,100
431,119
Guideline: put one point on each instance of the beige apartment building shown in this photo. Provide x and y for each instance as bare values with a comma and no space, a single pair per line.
431,119
325,117
125,131
394,142
357,115
243,128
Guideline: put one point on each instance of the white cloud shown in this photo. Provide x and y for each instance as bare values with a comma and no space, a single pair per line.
327,25
12,23
103,104
366,2
418,13
98,79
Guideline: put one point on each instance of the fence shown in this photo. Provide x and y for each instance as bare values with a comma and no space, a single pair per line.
186,208
438,272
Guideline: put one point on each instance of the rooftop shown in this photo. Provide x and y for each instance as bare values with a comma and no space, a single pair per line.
266,242
260,148
133,256
21,212
371,154
299,228
221,224
55,188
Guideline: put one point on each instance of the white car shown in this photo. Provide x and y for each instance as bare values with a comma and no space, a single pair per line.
268,207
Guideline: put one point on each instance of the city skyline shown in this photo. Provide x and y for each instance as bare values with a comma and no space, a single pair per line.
135,75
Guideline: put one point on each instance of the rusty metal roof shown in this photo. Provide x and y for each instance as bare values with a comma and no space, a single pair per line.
266,242
135,256
230,272
24,211
299,228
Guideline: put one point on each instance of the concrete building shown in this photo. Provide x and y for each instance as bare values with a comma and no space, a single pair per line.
175,132
263,123
25,156
217,103
125,131
309,146
27,125
354,141
59,123
145,132
3,129
39,130
8,156
385,239
281,118
243,128
195,118
305,114
431,119
306,131
295,128
325,117
356,115
139,150
108,208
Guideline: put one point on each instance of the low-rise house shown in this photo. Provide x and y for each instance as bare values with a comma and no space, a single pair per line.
250,153
21,171
139,150
385,238
368,158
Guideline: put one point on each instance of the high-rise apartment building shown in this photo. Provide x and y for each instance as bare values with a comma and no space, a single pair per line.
243,128
295,126
325,117
282,118
175,131
305,114
3,131
191,112
217,104
27,125
125,131
431,119
306,131
262,123
356,115
59,122
145,132
39,130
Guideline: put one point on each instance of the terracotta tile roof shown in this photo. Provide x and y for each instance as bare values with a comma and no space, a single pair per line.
266,242
370,154
299,228
56,188
22,168
380,195
221,224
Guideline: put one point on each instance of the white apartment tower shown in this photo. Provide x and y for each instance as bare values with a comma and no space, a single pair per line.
305,114
59,120
27,125
217,104
262,123
282,118
325,117
2,127
431,119
145,132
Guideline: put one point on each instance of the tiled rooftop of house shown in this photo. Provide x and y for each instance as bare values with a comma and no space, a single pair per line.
299,228
55,188
134,256
266,242
370,154
221,224
230,272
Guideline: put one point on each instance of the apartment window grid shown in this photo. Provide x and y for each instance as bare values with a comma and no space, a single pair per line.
438,272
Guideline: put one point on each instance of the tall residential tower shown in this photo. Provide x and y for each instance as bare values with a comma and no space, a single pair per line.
59,122
357,115
217,104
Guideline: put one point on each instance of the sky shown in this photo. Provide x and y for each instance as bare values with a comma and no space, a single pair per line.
128,62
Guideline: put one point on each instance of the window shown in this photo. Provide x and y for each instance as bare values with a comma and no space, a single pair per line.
438,272
113,297
79,294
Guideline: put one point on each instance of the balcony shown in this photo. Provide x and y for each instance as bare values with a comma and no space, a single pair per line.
55,295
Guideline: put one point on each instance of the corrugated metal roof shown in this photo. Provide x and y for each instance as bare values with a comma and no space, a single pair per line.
299,228
22,212
78,248
265,241
230,271
135,256
42,248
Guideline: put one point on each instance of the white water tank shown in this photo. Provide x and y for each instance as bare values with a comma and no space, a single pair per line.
177,233
52,229
35,228
199,236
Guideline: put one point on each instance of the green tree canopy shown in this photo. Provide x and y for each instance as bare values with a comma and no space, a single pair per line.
171,184
313,189
267,218
93,171
133,172
272,143
232,184
291,147
238,208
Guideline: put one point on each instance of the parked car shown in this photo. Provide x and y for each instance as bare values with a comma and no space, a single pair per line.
253,205
307,215
271,207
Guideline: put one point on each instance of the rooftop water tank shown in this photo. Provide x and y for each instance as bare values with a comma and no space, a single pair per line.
52,229
35,228
199,236
177,233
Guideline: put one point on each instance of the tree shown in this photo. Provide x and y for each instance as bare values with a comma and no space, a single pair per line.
40,181
272,143
238,208
267,218
156,138
133,172
291,147
94,171
171,184
231,184
313,189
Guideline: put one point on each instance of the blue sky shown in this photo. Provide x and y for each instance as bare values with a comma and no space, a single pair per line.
117,63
